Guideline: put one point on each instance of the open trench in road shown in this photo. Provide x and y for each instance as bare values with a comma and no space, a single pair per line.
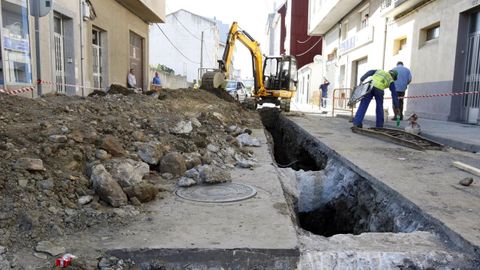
346,221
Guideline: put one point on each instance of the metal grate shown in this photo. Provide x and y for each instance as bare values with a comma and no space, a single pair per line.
472,78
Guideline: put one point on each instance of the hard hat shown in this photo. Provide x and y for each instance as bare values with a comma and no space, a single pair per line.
394,74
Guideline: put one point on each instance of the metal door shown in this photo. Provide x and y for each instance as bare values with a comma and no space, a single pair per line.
472,70
136,57
59,54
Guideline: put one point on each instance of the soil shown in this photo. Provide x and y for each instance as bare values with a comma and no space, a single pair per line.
37,205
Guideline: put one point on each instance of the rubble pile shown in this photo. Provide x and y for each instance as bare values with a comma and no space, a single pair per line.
69,163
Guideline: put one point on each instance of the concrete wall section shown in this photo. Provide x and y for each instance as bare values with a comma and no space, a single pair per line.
437,108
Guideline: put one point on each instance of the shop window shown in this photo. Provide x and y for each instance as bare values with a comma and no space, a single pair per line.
399,44
15,38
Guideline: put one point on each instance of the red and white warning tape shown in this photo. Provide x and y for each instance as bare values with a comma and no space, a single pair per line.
32,88
18,91
440,95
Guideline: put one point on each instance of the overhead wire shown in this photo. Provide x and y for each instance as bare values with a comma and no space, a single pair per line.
311,48
305,41
184,27
178,50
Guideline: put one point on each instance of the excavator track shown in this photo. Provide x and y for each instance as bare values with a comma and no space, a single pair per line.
400,137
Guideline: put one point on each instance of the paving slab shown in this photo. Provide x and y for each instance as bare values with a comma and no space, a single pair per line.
426,178
250,233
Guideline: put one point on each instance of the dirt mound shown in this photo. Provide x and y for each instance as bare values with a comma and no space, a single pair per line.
58,151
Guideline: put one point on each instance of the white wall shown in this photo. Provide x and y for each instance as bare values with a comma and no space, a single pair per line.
162,52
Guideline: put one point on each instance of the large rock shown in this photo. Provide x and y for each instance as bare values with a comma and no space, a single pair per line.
58,138
214,175
247,140
107,189
186,182
182,127
143,192
173,163
49,248
30,164
113,146
192,160
128,172
150,152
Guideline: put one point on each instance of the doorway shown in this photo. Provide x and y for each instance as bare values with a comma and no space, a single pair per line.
58,36
136,57
361,67
471,103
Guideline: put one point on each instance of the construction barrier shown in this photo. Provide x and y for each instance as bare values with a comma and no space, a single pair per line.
340,99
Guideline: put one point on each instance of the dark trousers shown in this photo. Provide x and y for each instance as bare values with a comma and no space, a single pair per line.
400,101
378,95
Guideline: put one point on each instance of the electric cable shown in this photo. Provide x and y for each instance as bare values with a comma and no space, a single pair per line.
305,41
184,27
311,48
178,50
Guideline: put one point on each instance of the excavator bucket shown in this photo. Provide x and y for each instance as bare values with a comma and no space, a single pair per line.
212,80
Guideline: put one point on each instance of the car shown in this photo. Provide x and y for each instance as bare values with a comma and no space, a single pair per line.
237,90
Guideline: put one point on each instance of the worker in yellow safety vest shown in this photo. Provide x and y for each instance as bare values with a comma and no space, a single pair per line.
381,80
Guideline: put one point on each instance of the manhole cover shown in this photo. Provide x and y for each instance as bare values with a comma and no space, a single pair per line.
221,193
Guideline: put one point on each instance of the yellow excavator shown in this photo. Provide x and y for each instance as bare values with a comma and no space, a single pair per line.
275,77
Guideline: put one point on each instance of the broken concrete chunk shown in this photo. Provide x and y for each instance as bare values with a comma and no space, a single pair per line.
247,140
143,192
49,248
213,148
30,164
186,182
128,172
214,175
173,163
150,153
195,122
107,189
182,127
193,173
58,138
113,146
85,200
102,154
466,181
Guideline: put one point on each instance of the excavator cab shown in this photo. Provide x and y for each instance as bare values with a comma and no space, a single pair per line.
280,72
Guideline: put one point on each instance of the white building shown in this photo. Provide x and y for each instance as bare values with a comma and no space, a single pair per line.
437,39
179,45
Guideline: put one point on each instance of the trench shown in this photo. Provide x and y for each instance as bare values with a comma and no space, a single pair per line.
332,199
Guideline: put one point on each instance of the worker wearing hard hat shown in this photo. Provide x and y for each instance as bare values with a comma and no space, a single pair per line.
381,80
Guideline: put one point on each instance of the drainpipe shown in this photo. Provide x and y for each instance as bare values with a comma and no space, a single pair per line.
82,79
384,44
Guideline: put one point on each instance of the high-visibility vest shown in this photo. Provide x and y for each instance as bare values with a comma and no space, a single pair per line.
381,79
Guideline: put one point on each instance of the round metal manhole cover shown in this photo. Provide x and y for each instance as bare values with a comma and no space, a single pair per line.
220,193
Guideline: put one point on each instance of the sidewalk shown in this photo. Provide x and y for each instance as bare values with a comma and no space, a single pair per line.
457,135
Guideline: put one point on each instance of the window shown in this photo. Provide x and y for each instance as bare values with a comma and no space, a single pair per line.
433,33
344,30
15,38
364,16
429,34
399,44
98,58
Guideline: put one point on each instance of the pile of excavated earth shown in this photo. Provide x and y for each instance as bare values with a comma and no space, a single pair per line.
69,163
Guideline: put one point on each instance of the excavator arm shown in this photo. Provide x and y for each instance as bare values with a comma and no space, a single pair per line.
225,64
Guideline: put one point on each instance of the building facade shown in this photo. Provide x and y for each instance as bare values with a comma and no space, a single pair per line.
436,39
82,43
287,31
188,42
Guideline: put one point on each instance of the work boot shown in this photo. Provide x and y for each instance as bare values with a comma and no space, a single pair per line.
358,126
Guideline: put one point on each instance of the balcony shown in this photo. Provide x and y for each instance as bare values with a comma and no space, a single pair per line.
361,38
329,14
393,8
151,11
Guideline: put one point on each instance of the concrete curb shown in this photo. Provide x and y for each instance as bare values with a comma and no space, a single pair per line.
474,148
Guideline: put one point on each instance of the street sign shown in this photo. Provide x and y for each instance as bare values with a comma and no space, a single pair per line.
40,8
